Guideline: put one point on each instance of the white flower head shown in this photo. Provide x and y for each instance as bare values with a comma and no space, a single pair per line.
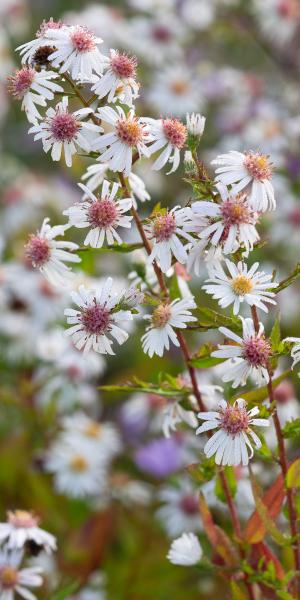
232,443
185,550
37,51
241,285
95,175
165,231
295,352
128,132
248,356
49,255
64,130
179,511
101,436
103,215
174,414
97,318
250,170
168,135
222,228
119,79
76,51
195,124
33,88
22,527
164,318
15,580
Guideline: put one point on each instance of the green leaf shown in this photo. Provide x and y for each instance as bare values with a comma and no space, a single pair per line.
293,475
122,248
167,386
231,480
238,591
204,471
284,595
66,591
211,319
275,336
292,429
174,290
289,280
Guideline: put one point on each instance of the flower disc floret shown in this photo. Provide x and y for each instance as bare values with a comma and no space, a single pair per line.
102,213
83,40
21,82
241,285
164,227
129,131
234,419
37,250
161,315
257,351
258,166
95,319
175,132
63,126
123,66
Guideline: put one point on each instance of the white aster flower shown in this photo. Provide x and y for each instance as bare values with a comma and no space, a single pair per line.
128,132
174,414
97,318
76,51
95,174
180,507
185,550
232,443
49,255
195,124
63,130
14,580
119,80
165,231
78,472
164,318
102,214
169,135
252,171
241,285
33,87
222,228
101,436
295,352
31,52
22,527
248,356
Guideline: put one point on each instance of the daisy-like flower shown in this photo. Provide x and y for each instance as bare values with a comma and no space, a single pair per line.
128,132
164,318
295,352
33,87
78,472
241,285
14,580
49,255
119,80
165,231
23,527
103,436
248,356
169,135
64,130
185,550
232,443
222,228
195,124
76,51
250,170
97,317
38,50
180,507
174,414
102,214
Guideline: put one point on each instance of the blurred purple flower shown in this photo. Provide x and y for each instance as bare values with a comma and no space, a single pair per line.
160,457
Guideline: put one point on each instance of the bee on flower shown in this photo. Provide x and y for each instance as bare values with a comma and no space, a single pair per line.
37,51
232,443
22,527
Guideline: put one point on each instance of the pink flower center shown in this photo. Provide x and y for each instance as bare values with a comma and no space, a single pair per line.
48,25
103,213
22,518
64,126
234,419
235,212
21,82
288,9
258,166
123,66
175,132
164,226
9,577
161,33
129,131
189,505
83,40
95,319
37,250
257,351
161,315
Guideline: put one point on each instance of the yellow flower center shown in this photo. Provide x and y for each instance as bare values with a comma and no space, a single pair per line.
92,429
8,577
161,315
78,463
241,285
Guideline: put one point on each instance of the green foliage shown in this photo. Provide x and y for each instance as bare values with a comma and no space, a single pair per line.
204,471
211,319
121,248
255,396
292,429
231,481
65,592
203,358
167,386
293,475
289,280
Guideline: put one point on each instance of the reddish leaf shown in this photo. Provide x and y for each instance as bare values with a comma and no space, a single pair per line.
219,540
272,499
261,550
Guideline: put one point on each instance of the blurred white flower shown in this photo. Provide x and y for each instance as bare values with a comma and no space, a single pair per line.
22,527
185,550
13,579
180,507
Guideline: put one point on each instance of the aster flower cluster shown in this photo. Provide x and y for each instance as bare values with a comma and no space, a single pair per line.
210,236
